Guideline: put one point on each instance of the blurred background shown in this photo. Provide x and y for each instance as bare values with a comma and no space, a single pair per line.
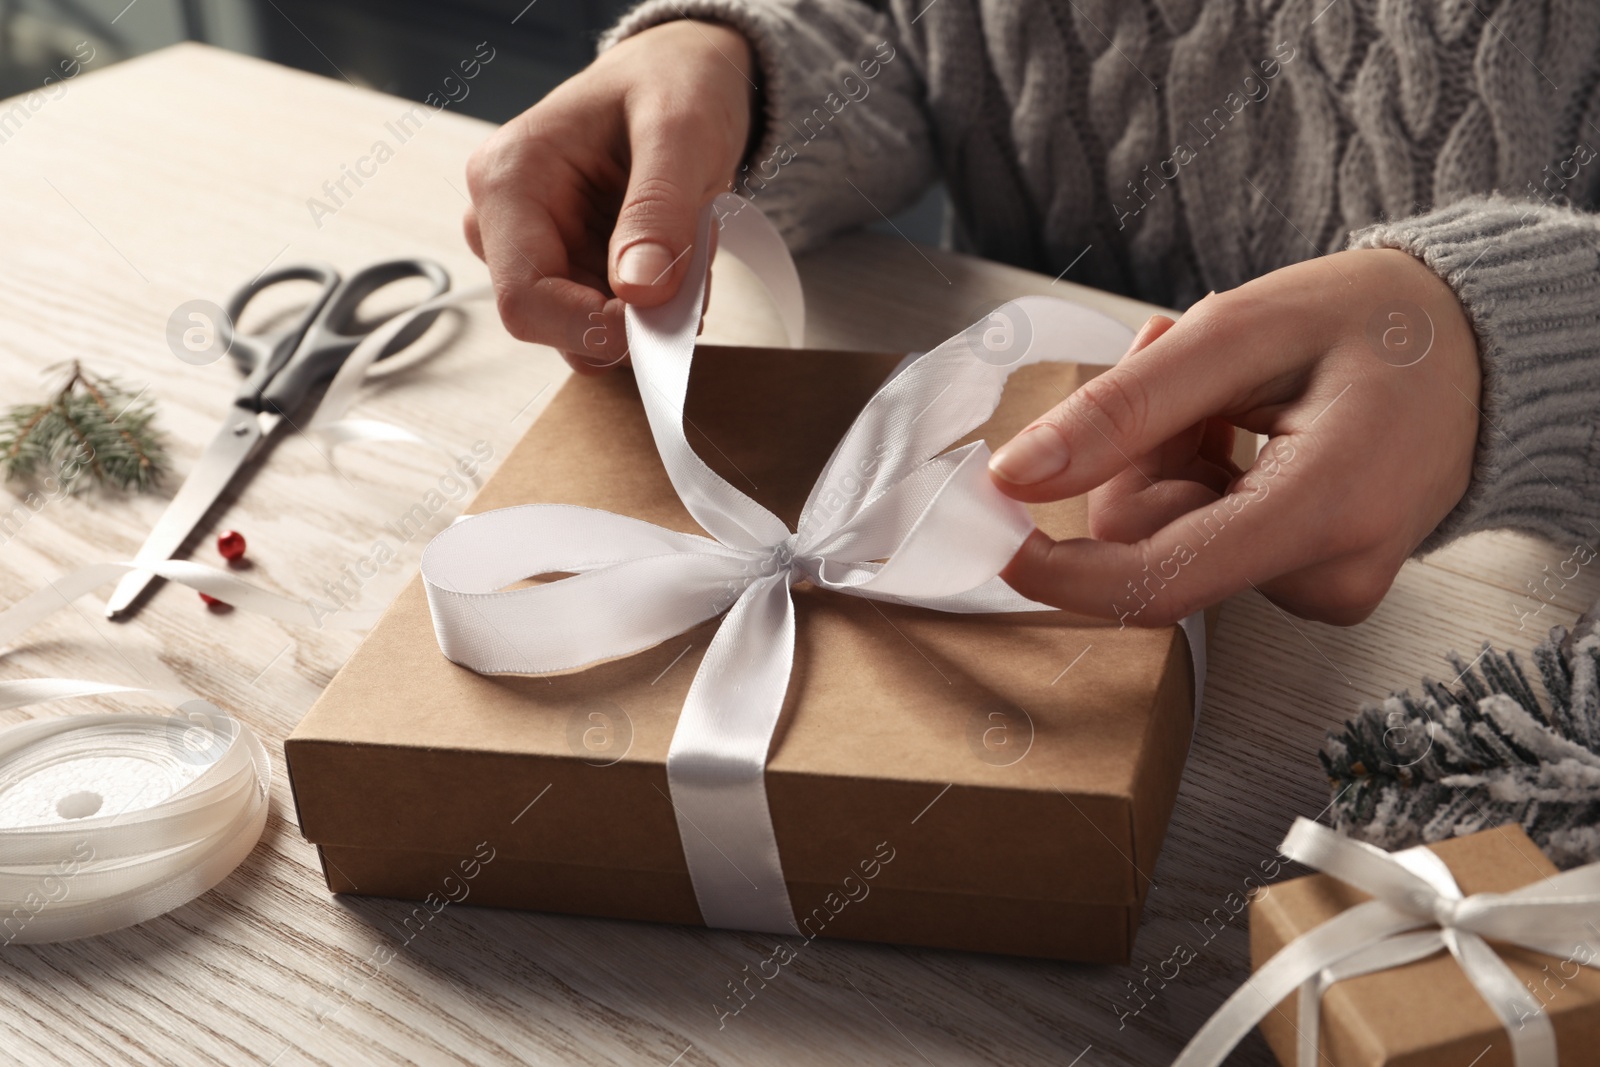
397,46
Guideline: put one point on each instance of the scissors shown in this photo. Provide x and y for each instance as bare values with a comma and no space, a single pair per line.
282,369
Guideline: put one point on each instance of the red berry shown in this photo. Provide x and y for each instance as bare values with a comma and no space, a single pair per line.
211,601
231,544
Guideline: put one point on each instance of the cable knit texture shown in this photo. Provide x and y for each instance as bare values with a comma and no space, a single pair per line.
1164,148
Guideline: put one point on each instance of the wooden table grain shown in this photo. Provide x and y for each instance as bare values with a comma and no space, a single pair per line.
178,175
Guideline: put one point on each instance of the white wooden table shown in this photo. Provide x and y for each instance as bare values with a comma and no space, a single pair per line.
181,174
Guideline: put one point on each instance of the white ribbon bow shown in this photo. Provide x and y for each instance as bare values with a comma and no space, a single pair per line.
889,492
1412,889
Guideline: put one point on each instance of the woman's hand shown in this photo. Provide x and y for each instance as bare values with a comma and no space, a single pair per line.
1363,370
590,197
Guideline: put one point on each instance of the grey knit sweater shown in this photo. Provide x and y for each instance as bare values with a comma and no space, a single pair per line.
1179,146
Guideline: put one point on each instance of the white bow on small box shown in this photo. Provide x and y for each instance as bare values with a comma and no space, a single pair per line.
889,493
1417,910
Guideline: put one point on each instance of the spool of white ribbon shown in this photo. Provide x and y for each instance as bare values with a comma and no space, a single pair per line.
109,820
1413,890
889,492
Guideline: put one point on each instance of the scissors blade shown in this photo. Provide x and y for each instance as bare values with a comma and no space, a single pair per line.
240,433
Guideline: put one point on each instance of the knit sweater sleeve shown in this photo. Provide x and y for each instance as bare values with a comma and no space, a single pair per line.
1529,279
844,136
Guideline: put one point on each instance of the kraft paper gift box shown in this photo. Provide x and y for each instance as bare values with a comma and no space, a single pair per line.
1426,1013
985,782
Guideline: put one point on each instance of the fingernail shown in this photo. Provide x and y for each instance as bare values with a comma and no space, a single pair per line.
645,263
1144,331
1037,453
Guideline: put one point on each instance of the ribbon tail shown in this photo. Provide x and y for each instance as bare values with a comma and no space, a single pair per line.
1393,952
329,425
347,431
1416,872
1527,1024
1299,960
20,692
346,384
716,764
225,587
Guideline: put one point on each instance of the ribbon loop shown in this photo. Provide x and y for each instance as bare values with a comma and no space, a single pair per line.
1369,869
661,343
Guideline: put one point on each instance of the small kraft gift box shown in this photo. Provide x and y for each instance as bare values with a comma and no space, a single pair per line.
998,782
1427,1011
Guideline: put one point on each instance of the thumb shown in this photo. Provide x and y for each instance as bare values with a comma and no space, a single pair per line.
650,247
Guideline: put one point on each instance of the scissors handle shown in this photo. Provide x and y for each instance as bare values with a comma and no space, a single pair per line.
262,356
329,339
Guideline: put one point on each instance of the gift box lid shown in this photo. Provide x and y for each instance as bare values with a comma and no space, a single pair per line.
1028,756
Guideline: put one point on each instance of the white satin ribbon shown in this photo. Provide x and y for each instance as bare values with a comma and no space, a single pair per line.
1417,910
178,804
232,591
889,492
330,426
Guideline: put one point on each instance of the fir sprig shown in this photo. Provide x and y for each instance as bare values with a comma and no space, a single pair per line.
93,425
1481,751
